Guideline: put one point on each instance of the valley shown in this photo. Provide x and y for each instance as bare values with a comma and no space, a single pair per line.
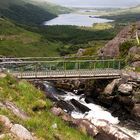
85,38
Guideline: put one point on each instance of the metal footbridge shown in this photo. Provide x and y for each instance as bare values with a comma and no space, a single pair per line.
62,68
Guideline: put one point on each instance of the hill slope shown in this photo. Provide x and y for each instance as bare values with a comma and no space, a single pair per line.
16,41
24,12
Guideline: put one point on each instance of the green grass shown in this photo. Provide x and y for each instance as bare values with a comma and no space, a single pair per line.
18,40
25,96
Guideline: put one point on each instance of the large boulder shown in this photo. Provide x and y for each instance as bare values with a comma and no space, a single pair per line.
21,132
125,88
110,87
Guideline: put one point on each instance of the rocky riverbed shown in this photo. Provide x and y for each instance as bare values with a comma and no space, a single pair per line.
111,106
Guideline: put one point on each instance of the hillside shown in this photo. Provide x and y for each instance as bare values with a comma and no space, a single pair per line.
24,12
33,112
16,41
24,40
123,15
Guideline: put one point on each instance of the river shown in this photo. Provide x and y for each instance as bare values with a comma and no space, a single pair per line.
77,19
96,111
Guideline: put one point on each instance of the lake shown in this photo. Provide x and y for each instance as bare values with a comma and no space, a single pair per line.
76,19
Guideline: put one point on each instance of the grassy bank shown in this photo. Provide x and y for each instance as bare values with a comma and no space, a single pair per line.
26,97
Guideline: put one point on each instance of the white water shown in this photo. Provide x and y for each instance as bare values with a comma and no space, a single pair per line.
76,19
97,112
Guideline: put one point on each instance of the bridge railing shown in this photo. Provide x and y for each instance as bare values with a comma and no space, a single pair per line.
62,65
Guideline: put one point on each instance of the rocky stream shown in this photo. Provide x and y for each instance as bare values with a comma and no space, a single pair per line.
105,109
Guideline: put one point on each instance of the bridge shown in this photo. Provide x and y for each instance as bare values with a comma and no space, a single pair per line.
62,68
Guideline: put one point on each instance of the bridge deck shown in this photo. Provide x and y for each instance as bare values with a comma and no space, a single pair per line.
74,74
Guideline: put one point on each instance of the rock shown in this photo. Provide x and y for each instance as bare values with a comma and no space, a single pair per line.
79,106
18,112
112,48
65,106
134,50
87,127
132,76
21,132
110,87
136,112
5,121
110,131
125,88
57,111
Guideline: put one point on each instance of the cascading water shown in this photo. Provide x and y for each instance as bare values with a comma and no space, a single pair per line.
96,112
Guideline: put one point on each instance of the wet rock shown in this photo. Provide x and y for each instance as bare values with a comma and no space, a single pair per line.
57,111
136,112
125,88
111,132
65,106
5,121
110,87
21,132
80,106
87,127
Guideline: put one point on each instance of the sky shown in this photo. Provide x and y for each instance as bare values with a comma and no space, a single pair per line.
96,3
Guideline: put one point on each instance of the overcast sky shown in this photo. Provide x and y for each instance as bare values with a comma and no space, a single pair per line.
96,3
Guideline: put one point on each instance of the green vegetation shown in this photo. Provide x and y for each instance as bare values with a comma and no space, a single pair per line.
27,97
124,48
21,40
23,12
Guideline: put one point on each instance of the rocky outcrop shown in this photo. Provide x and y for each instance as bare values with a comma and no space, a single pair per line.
112,47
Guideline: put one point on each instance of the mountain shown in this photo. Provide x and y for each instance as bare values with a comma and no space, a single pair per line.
25,12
